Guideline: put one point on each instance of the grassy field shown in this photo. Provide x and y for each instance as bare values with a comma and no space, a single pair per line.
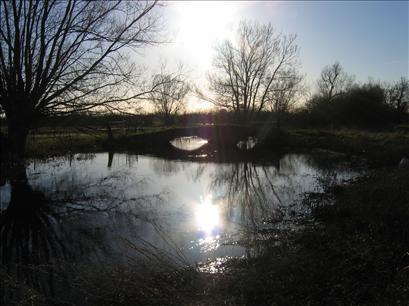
47,142
380,148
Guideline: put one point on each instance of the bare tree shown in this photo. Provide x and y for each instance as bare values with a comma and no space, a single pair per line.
397,96
250,69
170,90
66,56
334,81
284,97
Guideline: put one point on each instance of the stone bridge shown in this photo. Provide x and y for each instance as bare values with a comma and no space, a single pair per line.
220,137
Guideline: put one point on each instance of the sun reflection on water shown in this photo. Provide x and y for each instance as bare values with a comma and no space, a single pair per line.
208,220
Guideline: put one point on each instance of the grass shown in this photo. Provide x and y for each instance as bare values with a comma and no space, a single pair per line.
90,284
355,255
57,145
47,142
379,148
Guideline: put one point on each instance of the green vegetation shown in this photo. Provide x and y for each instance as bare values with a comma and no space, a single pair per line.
379,148
354,253
63,64
47,142
360,106
47,145
357,253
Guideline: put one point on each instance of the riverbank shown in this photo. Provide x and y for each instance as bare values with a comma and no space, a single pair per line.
356,253
379,148
351,252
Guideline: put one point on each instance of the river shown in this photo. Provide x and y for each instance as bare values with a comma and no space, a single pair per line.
111,208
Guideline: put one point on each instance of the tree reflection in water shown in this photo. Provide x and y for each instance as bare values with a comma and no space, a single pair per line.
42,234
264,198
30,239
250,192
106,209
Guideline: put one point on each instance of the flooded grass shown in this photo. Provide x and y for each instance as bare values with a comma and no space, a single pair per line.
379,148
345,243
355,255
60,145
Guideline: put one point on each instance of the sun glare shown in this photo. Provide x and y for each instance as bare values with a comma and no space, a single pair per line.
202,23
208,217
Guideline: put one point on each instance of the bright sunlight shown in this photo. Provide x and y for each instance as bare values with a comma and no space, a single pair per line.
201,24
208,216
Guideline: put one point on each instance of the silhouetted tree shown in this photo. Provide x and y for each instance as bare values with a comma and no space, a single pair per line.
170,90
334,81
397,97
361,105
282,101
253,67
67,56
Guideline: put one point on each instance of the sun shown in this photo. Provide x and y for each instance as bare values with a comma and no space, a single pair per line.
202,23
198,27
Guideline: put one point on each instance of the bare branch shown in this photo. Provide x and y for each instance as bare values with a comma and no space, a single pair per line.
334,81
250,69
168,92
65,56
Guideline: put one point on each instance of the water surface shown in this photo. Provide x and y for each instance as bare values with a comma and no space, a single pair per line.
109,207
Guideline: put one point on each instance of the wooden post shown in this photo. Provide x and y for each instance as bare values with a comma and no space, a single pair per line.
109,132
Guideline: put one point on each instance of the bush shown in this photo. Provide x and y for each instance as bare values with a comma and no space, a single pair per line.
361,106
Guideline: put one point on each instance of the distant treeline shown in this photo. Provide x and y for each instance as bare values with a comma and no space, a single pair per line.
367,105
147,120
361,106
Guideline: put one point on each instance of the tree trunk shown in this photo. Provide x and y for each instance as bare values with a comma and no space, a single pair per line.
278,120
109,134
18,128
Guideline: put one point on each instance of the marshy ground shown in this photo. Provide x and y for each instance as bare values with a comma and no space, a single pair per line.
351,249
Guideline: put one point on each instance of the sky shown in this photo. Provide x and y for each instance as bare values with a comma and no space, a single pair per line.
369,38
